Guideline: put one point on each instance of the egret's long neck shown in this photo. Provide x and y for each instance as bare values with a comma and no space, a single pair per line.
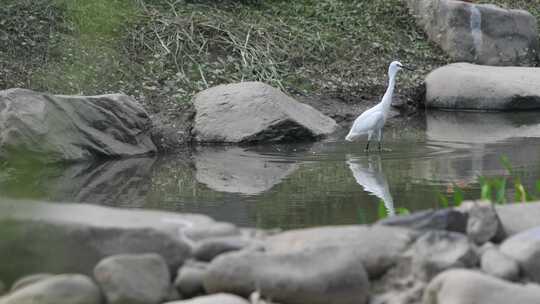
387,98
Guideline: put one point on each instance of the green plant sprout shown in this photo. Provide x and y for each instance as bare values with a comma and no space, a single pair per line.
494,189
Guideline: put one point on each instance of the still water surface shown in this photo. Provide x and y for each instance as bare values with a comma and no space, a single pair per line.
301,185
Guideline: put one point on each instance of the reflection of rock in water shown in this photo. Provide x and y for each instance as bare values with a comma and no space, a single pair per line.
372,179
111,183
238,170
477,139
481,127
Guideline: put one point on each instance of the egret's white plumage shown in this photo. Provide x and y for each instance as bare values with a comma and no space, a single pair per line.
372,121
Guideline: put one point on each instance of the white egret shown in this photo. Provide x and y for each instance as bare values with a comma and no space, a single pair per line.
372,120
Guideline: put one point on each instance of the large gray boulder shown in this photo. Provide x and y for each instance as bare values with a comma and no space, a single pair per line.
315,276
516,218
466,286
475,87
59,238
437,251
525,249
54,128
220,298
377,247
59,289
479,33
134,279
251,112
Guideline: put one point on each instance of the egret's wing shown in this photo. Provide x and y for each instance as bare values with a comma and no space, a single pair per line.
374,182
369,120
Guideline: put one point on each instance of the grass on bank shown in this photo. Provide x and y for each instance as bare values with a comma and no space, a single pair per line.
164,51
157,49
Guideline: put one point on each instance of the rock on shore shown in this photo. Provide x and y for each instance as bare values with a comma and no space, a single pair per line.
219,298
133,254
467,86
59,289
466,286
377,247
516,218
524,248
436,251
60,238
480,33
29,280
315,276
251,112
134,279
52,128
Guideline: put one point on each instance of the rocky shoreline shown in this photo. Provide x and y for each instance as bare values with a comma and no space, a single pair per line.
91,254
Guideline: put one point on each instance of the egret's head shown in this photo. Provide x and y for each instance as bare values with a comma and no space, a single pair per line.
395,66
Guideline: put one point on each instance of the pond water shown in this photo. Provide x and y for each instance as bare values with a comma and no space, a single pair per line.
302,185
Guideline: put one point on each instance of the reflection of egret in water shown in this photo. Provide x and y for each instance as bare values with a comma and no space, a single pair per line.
372,179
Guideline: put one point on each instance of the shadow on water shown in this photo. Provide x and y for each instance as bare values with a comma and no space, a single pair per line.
301,185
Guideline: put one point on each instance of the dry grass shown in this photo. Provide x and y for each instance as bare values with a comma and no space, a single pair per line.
304,47
164,51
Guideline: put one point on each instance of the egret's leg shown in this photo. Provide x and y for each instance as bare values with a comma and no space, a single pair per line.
368,140
380,136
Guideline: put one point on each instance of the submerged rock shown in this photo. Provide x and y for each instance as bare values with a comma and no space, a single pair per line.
251,112
52,128
59,289
29,280
220,298
190,279
437,251
466,286
480,33
524,248
315,276
476,87
135,279
497,264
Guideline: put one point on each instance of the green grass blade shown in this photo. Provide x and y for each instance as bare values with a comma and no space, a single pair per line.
381,211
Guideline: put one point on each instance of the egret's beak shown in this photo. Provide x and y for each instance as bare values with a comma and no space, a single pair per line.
407,68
